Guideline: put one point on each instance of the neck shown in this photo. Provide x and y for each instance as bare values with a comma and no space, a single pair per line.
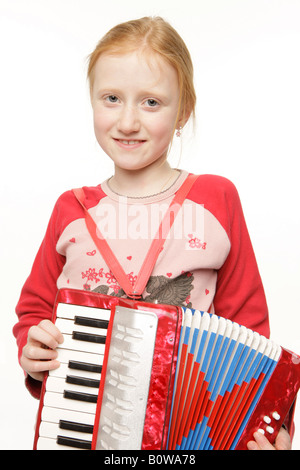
141,183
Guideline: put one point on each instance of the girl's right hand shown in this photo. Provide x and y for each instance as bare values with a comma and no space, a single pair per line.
39,354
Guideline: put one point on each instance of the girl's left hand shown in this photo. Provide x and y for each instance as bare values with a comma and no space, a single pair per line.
282,442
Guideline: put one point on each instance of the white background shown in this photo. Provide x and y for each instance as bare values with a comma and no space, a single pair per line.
247,75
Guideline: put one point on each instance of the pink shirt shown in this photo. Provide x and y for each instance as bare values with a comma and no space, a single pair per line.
207,261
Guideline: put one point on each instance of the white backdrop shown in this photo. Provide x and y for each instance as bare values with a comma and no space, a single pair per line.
247,74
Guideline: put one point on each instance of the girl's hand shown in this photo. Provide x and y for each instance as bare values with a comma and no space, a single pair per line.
39,354
282,442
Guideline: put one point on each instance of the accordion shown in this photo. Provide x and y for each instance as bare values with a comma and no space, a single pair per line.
144,376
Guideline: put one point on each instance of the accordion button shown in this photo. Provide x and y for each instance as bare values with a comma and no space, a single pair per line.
267,419
276,415
269,429
261,431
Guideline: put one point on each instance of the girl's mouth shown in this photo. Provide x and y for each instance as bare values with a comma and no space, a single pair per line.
129,144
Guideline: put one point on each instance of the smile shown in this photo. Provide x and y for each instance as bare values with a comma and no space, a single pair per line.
130,144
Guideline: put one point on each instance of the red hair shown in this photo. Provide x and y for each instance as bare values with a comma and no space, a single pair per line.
152,35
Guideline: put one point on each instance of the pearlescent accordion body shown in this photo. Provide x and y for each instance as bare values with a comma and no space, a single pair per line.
144,376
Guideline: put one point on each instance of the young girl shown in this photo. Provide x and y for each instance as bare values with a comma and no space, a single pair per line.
142,93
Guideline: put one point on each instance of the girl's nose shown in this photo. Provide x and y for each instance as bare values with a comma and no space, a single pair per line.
129,121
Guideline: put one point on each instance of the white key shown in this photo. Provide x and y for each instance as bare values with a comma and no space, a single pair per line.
59,385
53,430
54,415
68,326
70,311
45,443
66,355
57,400
85,346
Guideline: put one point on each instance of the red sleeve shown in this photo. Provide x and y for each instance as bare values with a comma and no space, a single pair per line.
239,292
40,289
39,292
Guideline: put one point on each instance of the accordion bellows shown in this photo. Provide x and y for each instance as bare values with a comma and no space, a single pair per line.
170,378
223,370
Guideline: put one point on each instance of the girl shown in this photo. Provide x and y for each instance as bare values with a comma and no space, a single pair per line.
142,93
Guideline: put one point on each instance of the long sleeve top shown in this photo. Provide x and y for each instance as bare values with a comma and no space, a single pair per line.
207,261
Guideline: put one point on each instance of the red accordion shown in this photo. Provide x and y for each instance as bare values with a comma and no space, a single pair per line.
144,376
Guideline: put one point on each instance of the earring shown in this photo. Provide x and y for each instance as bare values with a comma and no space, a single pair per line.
178,133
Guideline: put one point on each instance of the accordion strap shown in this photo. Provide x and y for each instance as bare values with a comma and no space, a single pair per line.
135,291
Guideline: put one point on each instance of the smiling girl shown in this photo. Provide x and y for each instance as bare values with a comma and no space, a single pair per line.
142,94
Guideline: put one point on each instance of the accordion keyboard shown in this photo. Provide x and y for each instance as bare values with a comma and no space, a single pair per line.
70,398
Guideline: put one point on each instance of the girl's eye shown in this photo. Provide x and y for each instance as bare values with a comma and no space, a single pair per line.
152,103
111,99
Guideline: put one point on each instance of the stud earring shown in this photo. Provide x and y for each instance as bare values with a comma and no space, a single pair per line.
178,133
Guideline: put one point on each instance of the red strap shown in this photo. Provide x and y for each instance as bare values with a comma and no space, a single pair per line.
103,246
162,233
155,248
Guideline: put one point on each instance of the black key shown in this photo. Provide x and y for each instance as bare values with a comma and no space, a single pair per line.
88,337
71,442
85,366
95,322
80,396
72,426
73,379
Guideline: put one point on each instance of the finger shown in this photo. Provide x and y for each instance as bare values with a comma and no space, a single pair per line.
34,351
37,376
52,329
32,366
262,441
252,445
45,336
283,440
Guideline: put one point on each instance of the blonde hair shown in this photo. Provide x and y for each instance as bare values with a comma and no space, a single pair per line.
152,34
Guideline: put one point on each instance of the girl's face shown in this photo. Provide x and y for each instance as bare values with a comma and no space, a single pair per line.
135,103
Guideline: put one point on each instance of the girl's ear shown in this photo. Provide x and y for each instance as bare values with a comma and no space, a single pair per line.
183,119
